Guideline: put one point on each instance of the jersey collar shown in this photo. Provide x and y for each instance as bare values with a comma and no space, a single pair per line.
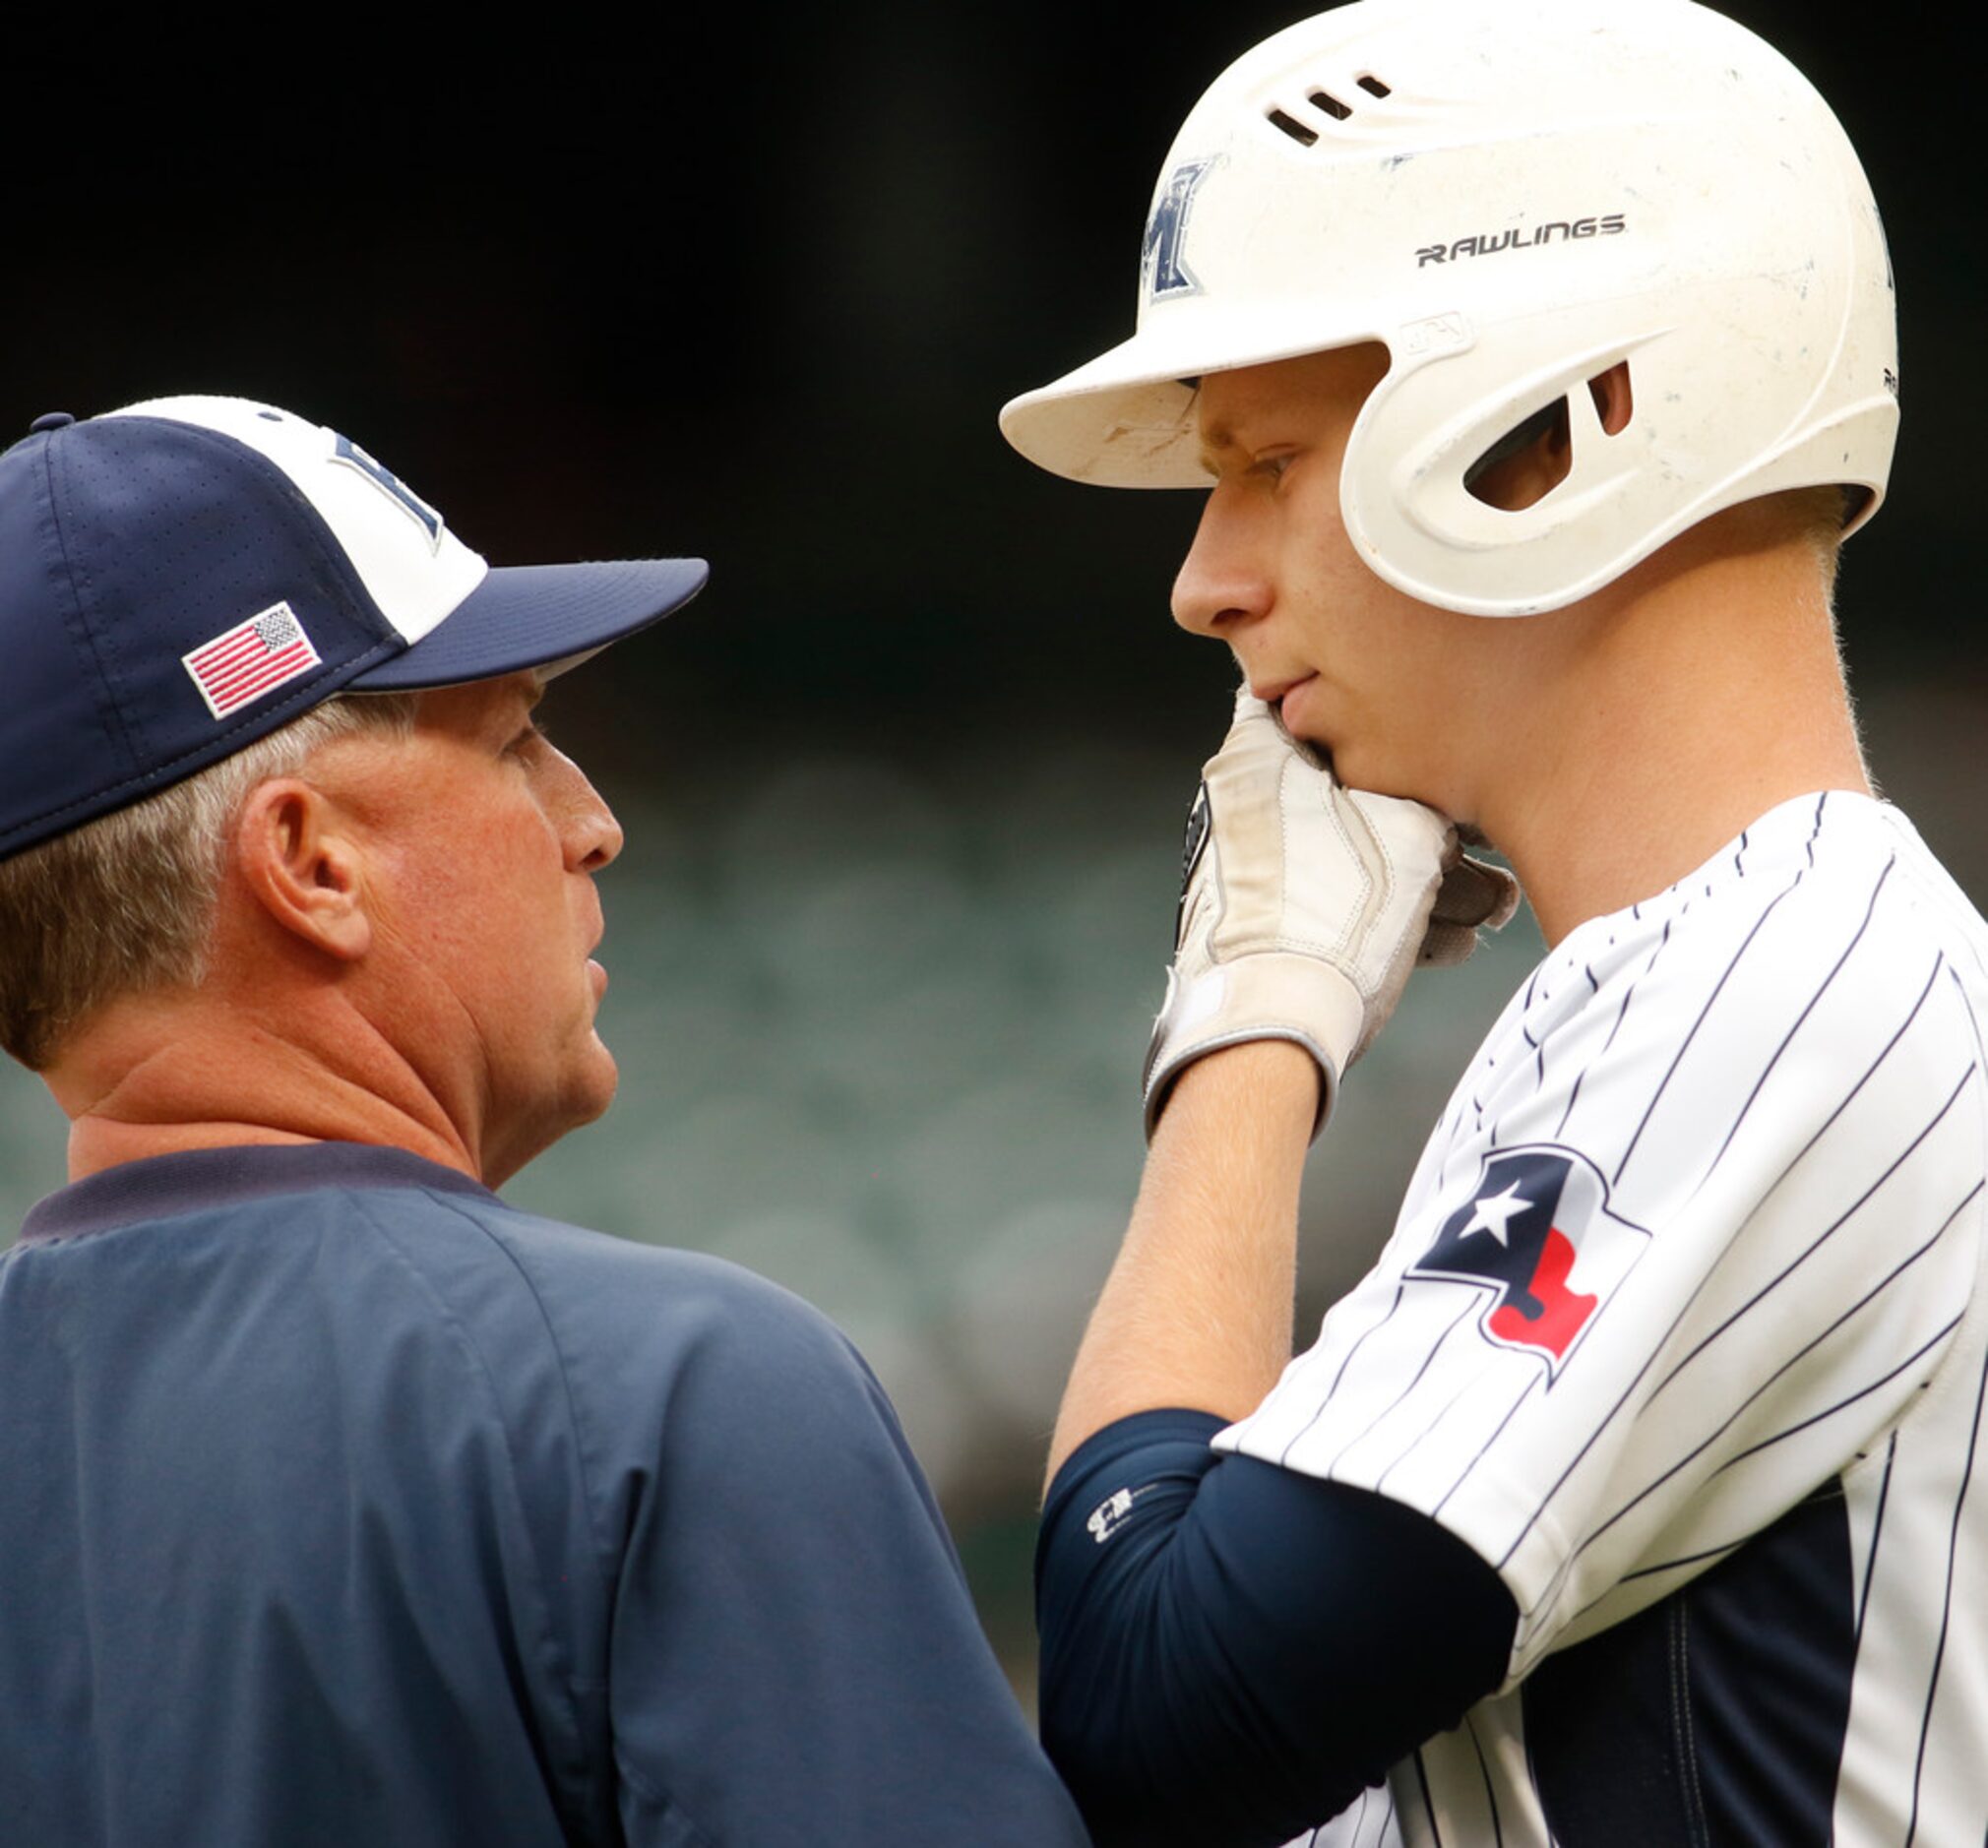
200,1180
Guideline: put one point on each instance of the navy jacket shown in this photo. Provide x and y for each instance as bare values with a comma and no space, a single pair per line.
340,1504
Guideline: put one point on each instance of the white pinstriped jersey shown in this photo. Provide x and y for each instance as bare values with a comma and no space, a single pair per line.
1699,1234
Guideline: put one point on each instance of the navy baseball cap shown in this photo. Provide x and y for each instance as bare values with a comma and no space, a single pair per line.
180,577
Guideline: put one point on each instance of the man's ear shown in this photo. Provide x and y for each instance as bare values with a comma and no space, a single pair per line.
1527,464
1532,459
300,862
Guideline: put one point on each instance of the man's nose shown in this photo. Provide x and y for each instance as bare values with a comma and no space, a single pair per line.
594,837
1222,581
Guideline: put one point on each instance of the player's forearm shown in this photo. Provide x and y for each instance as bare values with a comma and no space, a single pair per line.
1197,1311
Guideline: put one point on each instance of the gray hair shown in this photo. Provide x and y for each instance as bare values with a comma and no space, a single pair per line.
126,902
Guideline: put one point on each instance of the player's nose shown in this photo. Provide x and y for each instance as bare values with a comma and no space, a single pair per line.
1220,582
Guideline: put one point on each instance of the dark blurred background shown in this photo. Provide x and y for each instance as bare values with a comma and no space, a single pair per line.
904,785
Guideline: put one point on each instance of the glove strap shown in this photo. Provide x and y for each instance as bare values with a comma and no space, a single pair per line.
1270,995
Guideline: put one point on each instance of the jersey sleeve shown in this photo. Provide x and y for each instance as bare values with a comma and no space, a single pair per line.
1700,1226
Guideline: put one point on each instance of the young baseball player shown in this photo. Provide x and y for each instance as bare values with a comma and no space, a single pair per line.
340,1504
1534,358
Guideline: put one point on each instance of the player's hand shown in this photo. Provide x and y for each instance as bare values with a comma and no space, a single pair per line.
1304,906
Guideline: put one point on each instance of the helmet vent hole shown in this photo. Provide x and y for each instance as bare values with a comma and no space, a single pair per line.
1333,106
1373,86
1296,130
1527,464
1614,401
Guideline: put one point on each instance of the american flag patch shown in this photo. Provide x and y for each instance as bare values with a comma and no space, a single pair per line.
250,659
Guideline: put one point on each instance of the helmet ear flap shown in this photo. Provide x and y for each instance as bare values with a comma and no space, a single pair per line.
1465,471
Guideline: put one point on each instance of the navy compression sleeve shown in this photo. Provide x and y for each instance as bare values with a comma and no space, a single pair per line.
1232,1652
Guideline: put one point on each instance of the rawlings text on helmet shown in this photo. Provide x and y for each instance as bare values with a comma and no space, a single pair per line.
1484,244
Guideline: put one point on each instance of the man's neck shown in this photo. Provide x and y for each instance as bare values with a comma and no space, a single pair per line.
157,1075
1674,720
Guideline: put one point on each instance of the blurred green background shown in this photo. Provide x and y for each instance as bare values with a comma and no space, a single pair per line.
903,788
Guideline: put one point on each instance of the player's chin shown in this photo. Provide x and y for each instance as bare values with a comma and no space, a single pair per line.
1361,762
1311,743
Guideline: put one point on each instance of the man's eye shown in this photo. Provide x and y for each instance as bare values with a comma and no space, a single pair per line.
1272,466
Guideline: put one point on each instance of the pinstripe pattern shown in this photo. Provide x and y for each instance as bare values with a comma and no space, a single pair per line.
1775,1072
1370,1823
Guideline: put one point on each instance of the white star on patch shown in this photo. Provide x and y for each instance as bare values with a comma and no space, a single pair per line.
1494,1213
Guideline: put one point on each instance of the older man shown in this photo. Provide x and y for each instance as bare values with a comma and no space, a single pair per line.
340,1502
1534,358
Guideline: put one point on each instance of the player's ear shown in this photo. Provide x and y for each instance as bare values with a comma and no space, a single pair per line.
1613,399
1527,464
297,857
1531,459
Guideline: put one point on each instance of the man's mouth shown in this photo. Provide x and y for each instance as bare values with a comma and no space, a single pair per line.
1272,692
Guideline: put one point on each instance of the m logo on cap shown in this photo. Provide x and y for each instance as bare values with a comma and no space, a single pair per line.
1537,1233
345,450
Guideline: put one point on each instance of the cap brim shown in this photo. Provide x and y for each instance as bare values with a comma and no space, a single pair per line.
536,616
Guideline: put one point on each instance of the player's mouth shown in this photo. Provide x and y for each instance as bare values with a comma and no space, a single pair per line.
1290,702
1287,699
1272,693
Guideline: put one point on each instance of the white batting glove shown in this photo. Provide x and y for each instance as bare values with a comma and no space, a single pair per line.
1304,906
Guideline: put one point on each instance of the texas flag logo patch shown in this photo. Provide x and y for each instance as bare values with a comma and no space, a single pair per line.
1537,1234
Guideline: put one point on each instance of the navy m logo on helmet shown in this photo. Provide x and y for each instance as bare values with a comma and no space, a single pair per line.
1163,269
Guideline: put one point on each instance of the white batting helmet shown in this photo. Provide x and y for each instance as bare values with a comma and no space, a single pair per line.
1513,198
